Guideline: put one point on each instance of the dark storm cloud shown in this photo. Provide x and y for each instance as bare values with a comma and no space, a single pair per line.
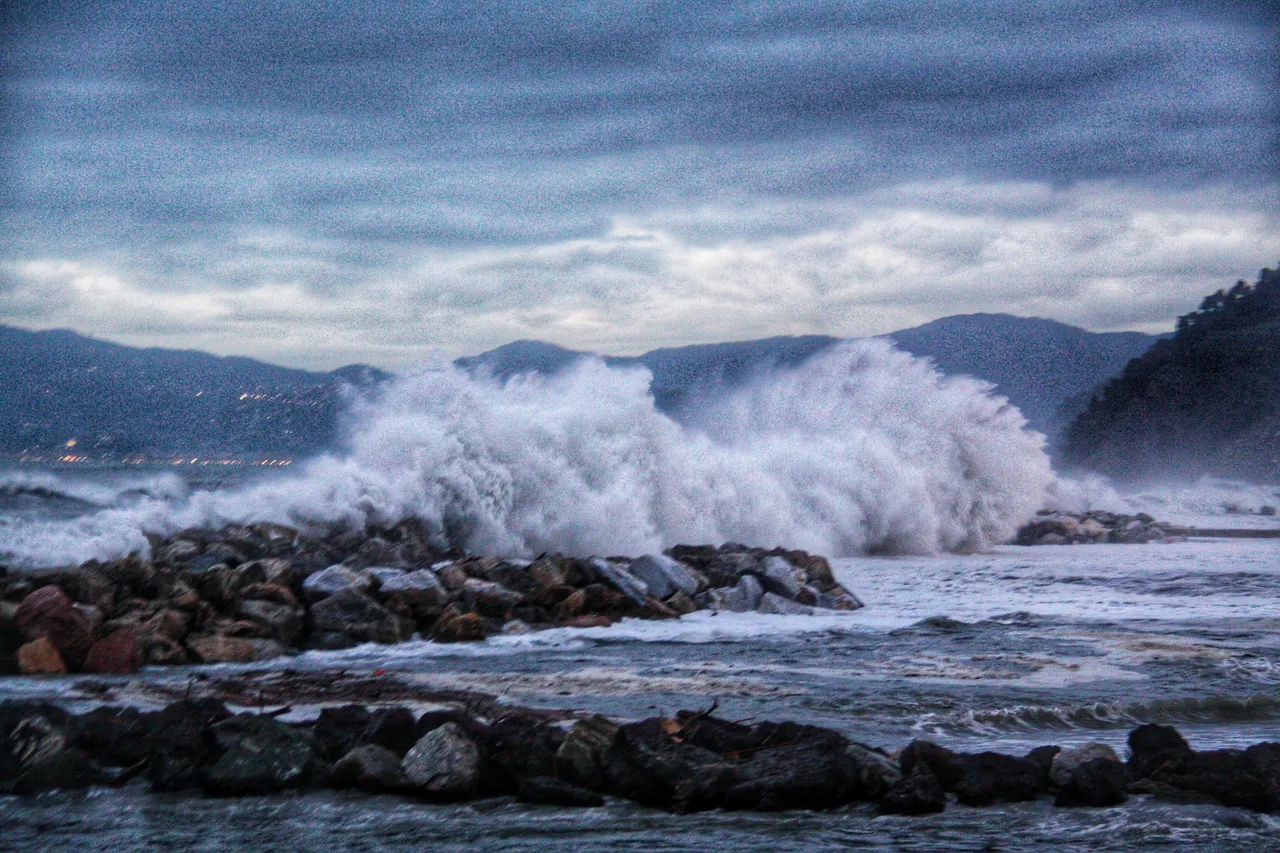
479,157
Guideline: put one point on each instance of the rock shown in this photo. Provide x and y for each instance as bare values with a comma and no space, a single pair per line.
67,769
781,578
516,627
839,601
358,616
573,605
378,575
48,612
178,741
877,772
547,572
549,791
665,575
630,585
458,627
746,594
773,603
224,584
261,756
39,657
988,777
420,586
34,738
333,580
1068,760
1152,745
217,648
580,758
490,599
370,768
916,793
111,735
179,551
1095,782
444,764
285,622
338,730
681,603
117,653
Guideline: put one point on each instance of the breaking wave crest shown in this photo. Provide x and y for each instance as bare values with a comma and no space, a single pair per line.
45,486
862,449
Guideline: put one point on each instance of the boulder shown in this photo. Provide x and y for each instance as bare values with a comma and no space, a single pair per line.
781,578
39,657
117,653
48,612
489,598
370,768
66,769
260,756
111,735
420,586
285,622
665,575
455,626
681,603
548,572
1067,760
774,603
34,738
179,551
1096,782
359,616
333,580
580,758
989,777
218,648
1151,746
444,764
916,793
630,585
179,743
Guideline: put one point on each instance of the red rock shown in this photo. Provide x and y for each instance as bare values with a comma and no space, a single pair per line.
117,652
38,608
40,656
459,628
589,622
72,634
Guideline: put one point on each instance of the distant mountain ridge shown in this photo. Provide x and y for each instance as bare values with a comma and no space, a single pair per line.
57,386
1046,368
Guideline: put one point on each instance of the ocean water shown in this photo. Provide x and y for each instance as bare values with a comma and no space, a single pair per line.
909,480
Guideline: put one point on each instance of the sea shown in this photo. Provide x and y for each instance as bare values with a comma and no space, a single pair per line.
965,641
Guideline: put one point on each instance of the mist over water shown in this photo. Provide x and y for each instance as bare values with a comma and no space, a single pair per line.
863,449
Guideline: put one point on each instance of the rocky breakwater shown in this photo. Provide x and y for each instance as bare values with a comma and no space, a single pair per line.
251,593
1051,527
690,762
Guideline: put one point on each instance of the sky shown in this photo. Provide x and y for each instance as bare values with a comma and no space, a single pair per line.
316,184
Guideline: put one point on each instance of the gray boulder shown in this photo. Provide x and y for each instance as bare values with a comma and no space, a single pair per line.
370,768
261,756
664,575
445,763
358,616
774,603
421,584
630,585
581,757
333,580
782,578
1066,761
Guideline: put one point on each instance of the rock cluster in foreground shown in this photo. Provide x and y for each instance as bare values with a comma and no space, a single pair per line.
689,762
1051,527
251,593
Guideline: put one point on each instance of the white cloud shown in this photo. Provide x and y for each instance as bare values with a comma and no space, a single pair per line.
1100,255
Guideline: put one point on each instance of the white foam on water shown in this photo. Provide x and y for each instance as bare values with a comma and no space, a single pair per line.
862,449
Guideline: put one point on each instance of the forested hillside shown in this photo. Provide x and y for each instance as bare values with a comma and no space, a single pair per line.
1206,401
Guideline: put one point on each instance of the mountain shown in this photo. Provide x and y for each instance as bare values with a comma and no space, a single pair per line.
1206,401
1046,368
58,387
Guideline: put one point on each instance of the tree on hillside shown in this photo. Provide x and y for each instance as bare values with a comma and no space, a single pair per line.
1206,401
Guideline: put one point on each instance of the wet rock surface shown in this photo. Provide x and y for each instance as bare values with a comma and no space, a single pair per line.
1096,526
693,761
251,593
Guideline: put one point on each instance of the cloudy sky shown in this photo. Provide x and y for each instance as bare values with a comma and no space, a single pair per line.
320,183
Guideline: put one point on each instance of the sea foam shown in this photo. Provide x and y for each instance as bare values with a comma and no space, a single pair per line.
862,449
